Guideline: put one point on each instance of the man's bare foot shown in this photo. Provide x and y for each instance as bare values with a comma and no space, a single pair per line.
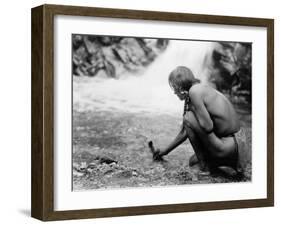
193,160
204,173
204,169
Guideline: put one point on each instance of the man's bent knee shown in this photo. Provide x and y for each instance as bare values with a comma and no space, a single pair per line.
190,120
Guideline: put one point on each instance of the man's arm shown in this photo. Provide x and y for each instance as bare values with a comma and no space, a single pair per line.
180,138
200,111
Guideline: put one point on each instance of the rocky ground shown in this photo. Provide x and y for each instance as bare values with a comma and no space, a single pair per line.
110,151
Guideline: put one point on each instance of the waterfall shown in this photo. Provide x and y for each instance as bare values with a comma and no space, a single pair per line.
149,92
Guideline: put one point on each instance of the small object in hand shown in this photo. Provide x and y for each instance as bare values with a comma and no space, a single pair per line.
155,153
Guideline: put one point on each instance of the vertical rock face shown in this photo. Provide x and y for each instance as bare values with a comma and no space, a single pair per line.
112,56
232,69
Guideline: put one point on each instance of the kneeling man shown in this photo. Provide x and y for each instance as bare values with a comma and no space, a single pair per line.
209,121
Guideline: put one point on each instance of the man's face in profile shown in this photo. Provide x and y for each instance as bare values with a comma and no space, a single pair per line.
180,93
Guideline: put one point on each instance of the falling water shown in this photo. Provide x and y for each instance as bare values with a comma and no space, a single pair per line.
150,91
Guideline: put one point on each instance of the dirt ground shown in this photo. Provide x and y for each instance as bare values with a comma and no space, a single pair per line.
110,151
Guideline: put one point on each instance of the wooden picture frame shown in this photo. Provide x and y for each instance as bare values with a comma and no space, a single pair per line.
42,205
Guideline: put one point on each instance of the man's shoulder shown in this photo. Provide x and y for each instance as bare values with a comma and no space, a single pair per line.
197,89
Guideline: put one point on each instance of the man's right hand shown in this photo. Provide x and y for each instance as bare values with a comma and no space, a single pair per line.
157,156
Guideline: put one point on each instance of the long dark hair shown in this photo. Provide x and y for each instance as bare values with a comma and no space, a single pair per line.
182,78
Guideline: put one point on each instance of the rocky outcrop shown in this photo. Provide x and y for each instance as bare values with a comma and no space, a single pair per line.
112,56
232,70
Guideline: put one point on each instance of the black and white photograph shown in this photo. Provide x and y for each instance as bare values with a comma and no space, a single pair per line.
150,112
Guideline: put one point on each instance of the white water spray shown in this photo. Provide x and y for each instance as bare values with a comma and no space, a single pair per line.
149,92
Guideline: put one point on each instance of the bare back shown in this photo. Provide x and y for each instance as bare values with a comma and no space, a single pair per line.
220,109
